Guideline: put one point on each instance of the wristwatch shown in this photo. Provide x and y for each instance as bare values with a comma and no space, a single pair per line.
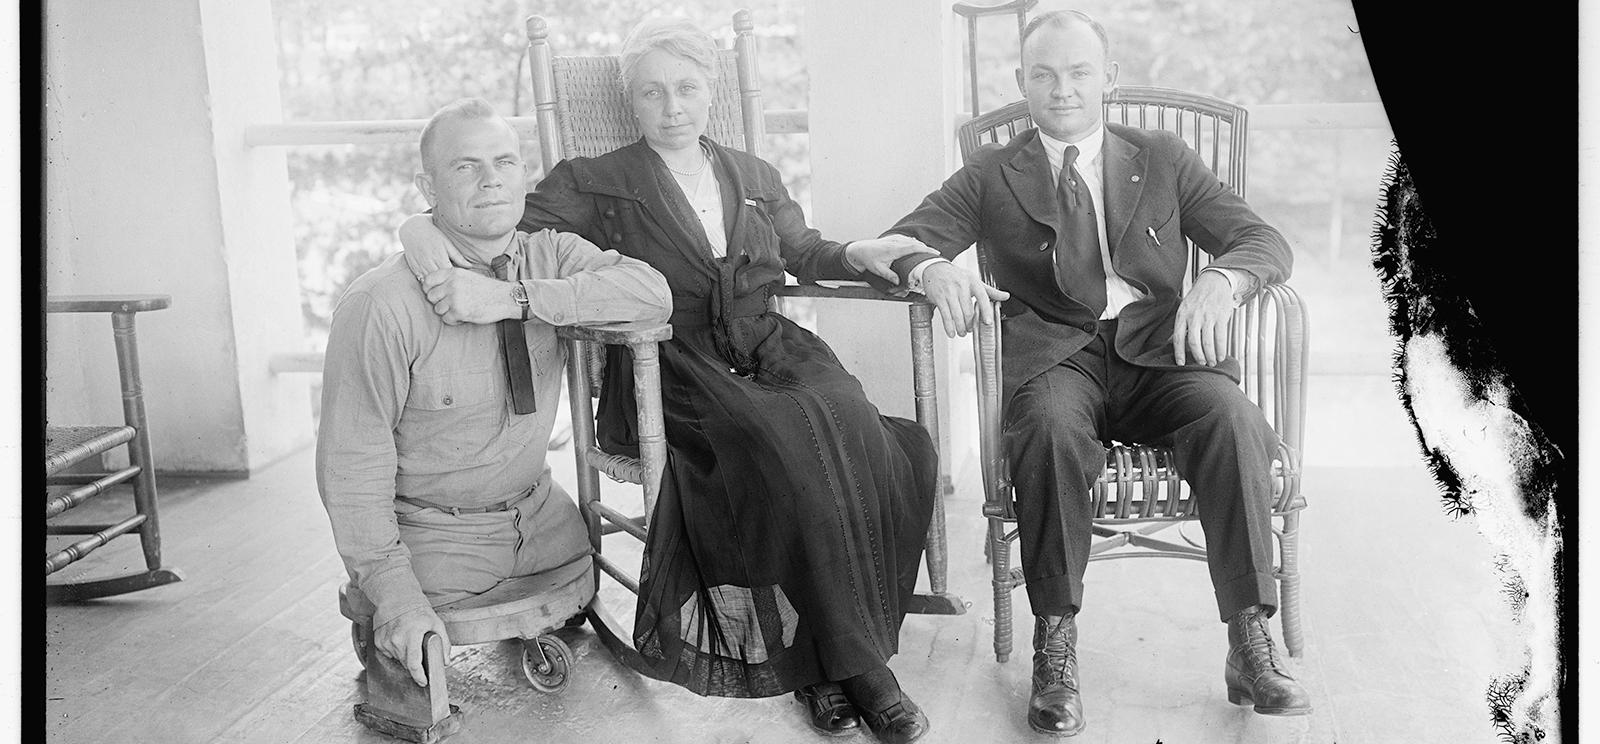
519,293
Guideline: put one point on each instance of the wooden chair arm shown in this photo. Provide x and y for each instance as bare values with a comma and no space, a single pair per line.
129,303
631,334
627,334
846,291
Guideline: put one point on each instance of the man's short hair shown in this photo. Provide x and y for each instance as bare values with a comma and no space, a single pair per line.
1062,18
676,36
465,108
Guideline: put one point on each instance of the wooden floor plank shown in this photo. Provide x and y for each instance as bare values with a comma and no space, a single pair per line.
316,685
230,657
1403,629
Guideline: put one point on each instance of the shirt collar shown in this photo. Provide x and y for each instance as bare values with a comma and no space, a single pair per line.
513,250
1088,147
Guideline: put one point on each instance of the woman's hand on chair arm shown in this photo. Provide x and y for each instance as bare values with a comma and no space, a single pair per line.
877,254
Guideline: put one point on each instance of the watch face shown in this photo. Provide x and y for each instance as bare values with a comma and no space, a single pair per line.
519,293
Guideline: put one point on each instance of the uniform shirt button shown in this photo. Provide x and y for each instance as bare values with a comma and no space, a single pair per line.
1088,328
1044,246
611,212
616,237
449,401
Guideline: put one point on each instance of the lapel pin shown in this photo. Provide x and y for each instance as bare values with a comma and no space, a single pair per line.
1135,179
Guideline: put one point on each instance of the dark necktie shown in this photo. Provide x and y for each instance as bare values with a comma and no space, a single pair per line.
515,345
1079,271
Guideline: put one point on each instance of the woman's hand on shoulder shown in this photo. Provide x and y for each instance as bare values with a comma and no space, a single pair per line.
877,255
426,248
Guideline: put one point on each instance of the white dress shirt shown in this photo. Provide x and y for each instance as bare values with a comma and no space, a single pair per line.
704,195
1091,166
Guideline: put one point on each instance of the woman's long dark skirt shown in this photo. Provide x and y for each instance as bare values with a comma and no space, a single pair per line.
791,519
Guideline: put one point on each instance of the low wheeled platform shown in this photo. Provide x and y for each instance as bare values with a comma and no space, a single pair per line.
526,608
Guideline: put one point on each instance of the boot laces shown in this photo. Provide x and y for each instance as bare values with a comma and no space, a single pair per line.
1258,643
1060,656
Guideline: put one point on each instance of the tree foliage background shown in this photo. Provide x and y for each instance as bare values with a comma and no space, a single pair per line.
401,59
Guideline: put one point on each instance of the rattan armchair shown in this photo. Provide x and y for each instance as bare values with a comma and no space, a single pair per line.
581,111
1141,496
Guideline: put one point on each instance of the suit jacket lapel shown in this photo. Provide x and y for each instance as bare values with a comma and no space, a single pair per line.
1124,166
1028,176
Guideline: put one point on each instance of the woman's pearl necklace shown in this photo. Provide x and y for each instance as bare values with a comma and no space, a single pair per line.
705,160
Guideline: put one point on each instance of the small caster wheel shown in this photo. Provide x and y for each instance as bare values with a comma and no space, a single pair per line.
360,638
552,674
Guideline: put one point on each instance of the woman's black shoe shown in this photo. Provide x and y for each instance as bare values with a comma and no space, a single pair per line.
827,709
901,723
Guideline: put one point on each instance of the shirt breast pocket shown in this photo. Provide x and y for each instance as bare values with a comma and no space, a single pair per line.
451,415
453,391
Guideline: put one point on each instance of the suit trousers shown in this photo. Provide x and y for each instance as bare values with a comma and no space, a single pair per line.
1055,428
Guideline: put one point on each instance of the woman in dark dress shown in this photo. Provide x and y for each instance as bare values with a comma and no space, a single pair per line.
792,514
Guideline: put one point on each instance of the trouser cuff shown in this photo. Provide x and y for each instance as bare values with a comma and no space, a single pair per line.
1254,588
1061,594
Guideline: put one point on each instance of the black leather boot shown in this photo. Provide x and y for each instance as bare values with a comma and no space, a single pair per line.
1054,707
1255,674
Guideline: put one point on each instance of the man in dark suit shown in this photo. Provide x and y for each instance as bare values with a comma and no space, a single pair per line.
1092,354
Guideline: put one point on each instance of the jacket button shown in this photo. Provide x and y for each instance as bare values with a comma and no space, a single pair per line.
616,237
1088,328
448,401
1045,246
611,212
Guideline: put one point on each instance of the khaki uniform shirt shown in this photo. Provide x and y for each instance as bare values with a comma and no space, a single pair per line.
417,408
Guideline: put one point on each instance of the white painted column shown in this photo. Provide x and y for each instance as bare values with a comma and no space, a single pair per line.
884,83
241,49
150,189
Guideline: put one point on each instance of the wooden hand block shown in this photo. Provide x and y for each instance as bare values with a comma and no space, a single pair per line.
392,694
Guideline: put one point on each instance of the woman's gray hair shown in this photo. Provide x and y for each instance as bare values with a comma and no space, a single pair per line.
676,36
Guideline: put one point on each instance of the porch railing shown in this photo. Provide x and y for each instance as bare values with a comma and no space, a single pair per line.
1331,117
